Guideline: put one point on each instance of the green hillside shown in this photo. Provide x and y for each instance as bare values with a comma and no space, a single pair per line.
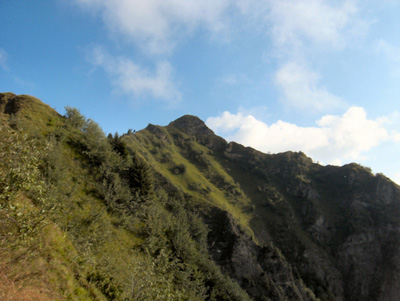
178,213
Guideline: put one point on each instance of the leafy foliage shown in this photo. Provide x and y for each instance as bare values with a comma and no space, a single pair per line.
19,170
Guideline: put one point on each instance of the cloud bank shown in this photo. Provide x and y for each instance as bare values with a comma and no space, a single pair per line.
333,140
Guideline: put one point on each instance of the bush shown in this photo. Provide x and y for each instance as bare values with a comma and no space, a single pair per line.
179,169
20,159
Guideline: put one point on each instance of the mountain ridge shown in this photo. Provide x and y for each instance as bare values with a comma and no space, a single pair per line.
295,171
279,226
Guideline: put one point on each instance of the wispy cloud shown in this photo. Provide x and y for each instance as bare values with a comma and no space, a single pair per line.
294,27
334,139
313,21
297,27
3,59
132,79
302,23
390,51
392,123
301,89
234,79
156,25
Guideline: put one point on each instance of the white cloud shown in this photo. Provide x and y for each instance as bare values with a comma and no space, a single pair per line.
3,59
333,140
132,79
302,90
157,24
352,133
316,21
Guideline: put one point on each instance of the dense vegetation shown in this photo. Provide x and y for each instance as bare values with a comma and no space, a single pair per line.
177,213
82,209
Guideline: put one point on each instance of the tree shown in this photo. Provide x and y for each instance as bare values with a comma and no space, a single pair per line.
139,178
75,118
118,145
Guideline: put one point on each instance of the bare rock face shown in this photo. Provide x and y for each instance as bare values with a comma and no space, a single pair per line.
262,271
338,227
356,232
385,191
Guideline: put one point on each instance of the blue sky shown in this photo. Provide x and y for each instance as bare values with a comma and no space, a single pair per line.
312,75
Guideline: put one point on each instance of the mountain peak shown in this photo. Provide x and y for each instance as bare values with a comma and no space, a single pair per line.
192,125
195,127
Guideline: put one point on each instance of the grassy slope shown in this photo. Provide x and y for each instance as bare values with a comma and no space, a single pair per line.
44,265
88,249
79,237
205,183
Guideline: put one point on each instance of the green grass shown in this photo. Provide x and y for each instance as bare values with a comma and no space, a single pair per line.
201,177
